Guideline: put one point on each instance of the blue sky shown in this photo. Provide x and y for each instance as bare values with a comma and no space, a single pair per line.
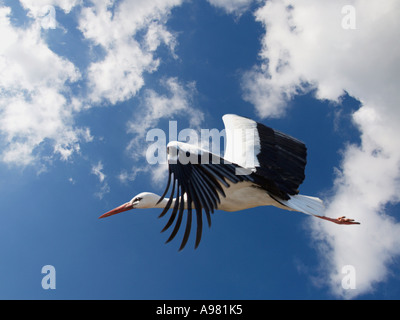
82,82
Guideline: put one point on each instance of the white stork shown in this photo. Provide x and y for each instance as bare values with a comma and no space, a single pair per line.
261,167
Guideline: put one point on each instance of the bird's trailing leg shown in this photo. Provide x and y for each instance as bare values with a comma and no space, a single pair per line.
340,220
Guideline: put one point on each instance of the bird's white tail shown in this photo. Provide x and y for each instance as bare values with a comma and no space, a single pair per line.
305,204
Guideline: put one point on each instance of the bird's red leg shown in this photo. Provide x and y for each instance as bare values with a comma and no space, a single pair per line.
340,220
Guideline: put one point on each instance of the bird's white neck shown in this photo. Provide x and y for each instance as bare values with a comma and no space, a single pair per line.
163,203
151,200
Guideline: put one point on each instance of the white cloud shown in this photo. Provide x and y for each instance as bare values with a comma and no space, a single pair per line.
158,173
38,105
36,6
305,47
119,76
97,170
232,6
176,103
35,106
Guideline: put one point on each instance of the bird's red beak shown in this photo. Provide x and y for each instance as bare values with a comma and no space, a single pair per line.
121,208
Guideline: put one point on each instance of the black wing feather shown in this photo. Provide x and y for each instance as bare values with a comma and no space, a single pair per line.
204,201
168,205
187,230
202,185
174,211
282,161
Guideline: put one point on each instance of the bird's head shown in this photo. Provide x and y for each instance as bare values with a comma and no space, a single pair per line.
141,201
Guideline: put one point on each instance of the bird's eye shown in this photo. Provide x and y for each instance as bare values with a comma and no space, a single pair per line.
137,199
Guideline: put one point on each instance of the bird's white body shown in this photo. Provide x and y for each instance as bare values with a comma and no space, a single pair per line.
244,195
254,197
233,201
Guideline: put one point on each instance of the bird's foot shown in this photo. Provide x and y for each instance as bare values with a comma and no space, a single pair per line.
340,220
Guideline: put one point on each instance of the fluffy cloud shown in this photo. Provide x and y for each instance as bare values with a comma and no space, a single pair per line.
104,188
307,45
35,106
129,33
35,6
231,6
177,102
39,97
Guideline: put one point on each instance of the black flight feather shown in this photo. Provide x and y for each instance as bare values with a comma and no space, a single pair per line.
202,185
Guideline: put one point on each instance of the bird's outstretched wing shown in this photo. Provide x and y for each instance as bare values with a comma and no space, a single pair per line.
277,160
196,178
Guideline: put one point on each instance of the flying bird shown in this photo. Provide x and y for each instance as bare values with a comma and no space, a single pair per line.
261,166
